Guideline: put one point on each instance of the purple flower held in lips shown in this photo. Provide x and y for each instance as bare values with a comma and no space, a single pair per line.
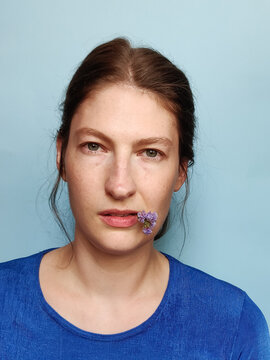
148,219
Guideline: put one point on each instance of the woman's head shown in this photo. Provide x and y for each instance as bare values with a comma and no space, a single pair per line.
116,63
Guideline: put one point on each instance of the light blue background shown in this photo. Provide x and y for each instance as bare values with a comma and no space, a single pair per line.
223,46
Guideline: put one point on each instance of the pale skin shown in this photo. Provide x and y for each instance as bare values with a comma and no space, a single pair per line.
116,279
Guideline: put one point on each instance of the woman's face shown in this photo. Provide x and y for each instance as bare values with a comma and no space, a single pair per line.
122,154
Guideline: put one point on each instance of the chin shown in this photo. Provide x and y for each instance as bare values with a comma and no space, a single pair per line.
121,243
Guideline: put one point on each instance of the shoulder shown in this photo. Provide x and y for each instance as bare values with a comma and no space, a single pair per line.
229,308
206,288
252,338
16,274
17,265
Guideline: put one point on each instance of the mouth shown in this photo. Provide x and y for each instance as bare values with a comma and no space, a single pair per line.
119,218
120,215
116,212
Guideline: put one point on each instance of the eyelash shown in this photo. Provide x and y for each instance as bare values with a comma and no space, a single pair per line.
155,158
91,142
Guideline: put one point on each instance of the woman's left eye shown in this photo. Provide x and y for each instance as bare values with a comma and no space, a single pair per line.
151,152
92,146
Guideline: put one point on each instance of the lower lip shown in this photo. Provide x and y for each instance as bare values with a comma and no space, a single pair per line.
120,221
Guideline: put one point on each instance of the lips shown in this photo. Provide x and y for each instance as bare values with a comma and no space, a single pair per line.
116,212
119,215
119,218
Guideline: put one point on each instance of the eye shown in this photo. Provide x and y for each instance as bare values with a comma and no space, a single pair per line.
151,152
92,146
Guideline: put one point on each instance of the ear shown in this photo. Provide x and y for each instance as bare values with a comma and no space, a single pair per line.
59,144
182,175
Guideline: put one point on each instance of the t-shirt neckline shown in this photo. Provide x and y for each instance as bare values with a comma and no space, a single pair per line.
105,337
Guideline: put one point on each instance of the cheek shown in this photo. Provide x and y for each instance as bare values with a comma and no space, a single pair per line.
163,197
84,185
158,192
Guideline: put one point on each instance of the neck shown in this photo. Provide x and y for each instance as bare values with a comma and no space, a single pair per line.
116,277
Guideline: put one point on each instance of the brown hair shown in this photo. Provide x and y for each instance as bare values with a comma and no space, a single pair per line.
115,62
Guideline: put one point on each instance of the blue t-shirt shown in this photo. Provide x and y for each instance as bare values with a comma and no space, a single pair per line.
199,318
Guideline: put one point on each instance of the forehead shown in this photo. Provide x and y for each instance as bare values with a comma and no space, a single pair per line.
124,110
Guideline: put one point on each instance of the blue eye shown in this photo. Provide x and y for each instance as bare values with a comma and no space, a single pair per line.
93,146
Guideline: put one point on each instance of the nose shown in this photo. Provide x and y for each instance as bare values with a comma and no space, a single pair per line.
120,184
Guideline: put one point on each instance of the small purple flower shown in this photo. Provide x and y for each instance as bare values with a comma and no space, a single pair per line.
148,219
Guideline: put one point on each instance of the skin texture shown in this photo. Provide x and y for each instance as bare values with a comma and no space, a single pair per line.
117,175
114,270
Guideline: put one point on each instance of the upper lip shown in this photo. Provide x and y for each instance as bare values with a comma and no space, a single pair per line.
118,212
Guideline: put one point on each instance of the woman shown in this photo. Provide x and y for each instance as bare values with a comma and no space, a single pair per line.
123,148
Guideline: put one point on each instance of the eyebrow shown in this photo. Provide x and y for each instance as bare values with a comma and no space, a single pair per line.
146,141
